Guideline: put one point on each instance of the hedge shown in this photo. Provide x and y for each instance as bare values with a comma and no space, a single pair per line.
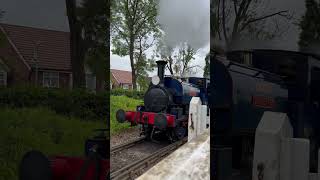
77,103
129,93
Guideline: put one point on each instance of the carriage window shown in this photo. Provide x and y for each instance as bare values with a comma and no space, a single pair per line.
247,59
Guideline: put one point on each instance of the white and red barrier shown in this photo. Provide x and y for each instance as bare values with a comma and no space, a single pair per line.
277,155
198,118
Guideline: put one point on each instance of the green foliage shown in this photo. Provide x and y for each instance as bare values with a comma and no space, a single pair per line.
206,72
129,93
133,26
310,25
78,103
125,103
93,17
144,82
26,129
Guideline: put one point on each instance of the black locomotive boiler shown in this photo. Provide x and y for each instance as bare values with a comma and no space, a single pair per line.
166,105
288,82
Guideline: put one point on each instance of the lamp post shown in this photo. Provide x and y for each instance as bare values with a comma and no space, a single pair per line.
35,58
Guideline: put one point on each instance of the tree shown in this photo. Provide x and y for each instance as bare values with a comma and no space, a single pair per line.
206,71
88,25
240,18
2,37
76,45
134,29
179,58
94,18
310,25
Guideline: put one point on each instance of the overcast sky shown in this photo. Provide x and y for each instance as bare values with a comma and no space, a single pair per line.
51,14
183,21
48,14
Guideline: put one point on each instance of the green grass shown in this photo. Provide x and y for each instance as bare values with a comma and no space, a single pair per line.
121,102
22,130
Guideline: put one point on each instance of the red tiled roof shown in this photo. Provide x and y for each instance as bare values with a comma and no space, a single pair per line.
122,77
53,50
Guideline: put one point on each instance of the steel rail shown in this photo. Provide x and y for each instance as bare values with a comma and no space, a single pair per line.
137,168
126,145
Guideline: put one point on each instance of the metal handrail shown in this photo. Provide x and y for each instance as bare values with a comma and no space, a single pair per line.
254,69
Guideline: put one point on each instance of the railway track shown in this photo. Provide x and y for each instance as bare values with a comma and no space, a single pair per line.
136,168
127,145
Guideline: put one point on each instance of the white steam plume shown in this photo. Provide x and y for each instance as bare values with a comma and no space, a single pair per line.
185,21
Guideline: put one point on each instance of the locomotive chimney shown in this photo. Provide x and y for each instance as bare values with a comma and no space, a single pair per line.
161,67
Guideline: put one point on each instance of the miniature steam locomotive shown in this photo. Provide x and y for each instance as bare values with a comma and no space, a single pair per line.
241,94
166,105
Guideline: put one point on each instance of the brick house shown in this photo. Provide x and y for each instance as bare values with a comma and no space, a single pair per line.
37,56
121,79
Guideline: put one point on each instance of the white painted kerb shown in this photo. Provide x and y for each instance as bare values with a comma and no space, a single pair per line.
191,161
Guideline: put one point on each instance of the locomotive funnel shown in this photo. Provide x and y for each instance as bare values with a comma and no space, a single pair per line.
161,67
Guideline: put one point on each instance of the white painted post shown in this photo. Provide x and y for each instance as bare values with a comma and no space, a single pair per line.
208,118
313,176
199,118
203,120
285,159
319,163
300,158
272,128
194,116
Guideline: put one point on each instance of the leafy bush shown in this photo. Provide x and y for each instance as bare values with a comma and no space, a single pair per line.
121,102
129,93
78,103
26,129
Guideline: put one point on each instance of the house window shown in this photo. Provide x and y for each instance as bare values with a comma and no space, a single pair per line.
51,79
125,86
3,78
90,82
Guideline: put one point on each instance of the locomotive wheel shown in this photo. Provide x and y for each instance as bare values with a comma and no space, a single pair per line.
35,166
180,132
147,132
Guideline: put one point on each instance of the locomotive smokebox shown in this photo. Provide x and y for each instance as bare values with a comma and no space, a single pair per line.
161,67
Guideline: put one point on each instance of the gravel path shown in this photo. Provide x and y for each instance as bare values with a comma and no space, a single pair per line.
125,136
127,156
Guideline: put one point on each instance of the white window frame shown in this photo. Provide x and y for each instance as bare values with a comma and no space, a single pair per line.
5,79
50,76
125,86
